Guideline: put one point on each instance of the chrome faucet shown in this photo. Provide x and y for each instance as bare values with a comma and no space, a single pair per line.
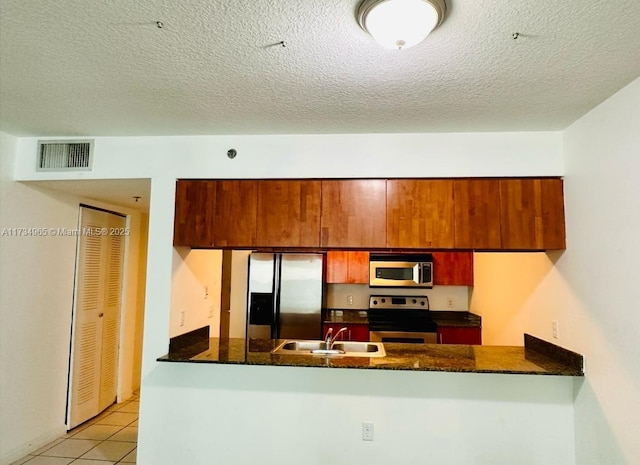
329,340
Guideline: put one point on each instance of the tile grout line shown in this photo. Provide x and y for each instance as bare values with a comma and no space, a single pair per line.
95,422
104,440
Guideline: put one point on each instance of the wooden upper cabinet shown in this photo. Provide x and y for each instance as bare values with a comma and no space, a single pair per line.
288,213
453,268
532,214
353,213
477,213
347,267
420,213
193,221
554,233
235,217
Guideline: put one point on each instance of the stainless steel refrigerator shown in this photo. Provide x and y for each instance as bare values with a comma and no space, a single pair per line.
285,296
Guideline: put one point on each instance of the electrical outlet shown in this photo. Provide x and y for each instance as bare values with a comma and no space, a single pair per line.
451,303
349,299
206,292
556,329
182,316
367,431
211,310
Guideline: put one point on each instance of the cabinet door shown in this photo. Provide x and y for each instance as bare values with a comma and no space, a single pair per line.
347,267
477,213
193,220
420,213
235,218
532,214
459,335
353,213
288,213
453,268
359,332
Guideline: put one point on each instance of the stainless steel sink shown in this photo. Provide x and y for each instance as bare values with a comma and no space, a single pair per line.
344,349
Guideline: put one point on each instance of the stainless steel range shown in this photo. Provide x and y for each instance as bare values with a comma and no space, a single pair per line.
401,319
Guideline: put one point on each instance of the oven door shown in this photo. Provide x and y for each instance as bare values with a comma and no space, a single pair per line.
409,337
392,274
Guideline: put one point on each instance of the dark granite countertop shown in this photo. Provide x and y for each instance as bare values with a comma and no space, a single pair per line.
538,358
452,318
348,316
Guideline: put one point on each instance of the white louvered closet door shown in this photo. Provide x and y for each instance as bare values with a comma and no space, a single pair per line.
96,316
111,309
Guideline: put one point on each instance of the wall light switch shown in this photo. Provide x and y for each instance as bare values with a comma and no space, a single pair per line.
556,329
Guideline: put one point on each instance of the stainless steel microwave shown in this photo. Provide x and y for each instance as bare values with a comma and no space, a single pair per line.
401,270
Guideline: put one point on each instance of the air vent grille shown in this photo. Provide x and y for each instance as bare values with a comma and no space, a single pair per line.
65,155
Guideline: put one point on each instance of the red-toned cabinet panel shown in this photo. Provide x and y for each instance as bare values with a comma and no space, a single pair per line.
460,335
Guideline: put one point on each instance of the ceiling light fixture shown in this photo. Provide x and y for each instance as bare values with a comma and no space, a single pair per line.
400,24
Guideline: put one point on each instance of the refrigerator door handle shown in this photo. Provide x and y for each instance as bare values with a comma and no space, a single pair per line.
277,272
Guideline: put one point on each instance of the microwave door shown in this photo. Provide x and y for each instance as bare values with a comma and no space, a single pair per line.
395,274
417,274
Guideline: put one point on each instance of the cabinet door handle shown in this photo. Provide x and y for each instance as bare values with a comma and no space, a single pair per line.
100,315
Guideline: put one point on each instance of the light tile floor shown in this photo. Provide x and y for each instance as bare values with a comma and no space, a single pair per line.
108,439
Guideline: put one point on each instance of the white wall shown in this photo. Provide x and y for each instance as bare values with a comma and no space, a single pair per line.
136,366
591,288
36,292
244,415
597,301
200,404
36,298
314,156
181,406
195,290
511,293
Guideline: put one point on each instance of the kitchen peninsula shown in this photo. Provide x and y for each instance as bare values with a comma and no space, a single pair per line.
537,357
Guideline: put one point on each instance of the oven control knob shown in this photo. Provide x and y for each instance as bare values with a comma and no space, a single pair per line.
414,301
422,303
375,302
383,300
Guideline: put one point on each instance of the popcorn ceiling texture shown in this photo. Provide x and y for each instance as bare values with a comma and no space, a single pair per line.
75,68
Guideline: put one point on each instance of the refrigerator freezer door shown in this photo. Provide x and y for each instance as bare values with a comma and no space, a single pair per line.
300,297
261,317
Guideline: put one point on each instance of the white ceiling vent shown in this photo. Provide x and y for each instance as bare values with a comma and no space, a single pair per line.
65,155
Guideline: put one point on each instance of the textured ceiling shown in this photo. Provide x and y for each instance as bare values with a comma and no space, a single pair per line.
103,67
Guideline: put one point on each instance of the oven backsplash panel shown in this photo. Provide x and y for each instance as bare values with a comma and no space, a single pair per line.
439,296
